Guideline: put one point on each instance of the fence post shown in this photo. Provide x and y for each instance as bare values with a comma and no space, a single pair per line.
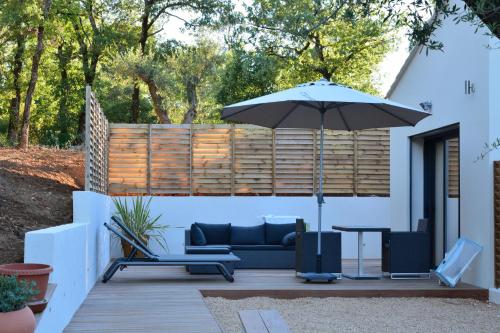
88,93
231,138
355,163
148,175
191,159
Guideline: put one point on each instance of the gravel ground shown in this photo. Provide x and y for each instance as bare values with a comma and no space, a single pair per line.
365,314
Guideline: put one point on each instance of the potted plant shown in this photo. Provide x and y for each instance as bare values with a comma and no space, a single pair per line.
15,315
138,219
38,274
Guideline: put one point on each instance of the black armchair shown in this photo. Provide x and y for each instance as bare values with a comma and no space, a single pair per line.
407,254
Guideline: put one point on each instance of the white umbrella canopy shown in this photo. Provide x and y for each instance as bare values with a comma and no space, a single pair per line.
344,109
319,105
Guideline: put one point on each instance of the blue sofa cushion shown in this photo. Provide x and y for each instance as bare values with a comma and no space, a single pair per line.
265,247
255,235
289,239
276,232
216,233
197,236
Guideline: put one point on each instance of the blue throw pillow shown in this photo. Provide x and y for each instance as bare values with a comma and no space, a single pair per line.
255,235
197,236
289,239
216,233
276,232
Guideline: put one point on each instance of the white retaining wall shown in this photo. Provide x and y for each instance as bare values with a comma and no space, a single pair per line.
78,252
181,212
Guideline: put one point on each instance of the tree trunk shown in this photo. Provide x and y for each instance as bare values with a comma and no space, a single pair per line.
192,98
134,108
135,104
15,103
63,58
157,100
24,139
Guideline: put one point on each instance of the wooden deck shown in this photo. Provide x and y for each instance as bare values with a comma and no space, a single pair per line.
167,299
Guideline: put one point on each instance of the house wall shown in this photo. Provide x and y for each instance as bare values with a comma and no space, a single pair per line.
439,77
181,212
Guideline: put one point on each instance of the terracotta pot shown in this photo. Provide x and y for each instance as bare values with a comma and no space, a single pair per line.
39,273
127,248
38,306
20,321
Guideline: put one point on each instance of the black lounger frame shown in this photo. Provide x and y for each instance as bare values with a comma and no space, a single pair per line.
152,259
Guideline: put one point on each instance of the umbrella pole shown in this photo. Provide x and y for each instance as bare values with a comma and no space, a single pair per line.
319,195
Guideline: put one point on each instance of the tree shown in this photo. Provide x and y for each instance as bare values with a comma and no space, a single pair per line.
204,12
16,18
35,63
338,40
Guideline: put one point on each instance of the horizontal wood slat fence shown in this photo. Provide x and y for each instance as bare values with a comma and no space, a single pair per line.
244,160
496,175
96,144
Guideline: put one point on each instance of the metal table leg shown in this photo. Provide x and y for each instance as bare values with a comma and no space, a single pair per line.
361,274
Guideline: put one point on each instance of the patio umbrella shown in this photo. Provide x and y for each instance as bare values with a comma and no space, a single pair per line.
319,105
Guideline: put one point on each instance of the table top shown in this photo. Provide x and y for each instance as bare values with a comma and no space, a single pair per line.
358,228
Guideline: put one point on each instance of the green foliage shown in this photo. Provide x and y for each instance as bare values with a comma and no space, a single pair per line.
271,45
139,220
15,295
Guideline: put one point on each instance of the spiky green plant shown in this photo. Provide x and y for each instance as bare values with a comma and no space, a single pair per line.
14,295
138,219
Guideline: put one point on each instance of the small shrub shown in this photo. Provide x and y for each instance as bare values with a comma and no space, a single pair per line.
15,295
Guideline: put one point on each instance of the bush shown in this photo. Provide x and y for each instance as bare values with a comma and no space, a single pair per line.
15,295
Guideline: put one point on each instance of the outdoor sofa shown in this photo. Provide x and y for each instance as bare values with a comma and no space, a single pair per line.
260,247
215,261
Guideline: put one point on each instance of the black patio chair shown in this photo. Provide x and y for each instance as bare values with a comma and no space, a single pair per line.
406,254
152,259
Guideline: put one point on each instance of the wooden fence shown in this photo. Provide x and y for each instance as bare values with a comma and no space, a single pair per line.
244,160
496,176
96,144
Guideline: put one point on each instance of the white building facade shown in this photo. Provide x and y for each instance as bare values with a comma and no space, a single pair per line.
463,85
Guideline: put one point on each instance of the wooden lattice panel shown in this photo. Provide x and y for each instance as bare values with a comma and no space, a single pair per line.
253,160
496,175
211,160
372,162
170,160
338,163
96,137
294,166
453,168
128,159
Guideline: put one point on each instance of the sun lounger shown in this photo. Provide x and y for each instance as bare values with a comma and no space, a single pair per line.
151,259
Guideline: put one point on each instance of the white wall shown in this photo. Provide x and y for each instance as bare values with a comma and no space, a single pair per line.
62,247
181,212
78,252
439,77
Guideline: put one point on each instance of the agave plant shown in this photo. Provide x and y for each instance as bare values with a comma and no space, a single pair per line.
138,219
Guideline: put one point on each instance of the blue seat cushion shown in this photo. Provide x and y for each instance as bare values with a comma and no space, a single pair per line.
276,232
197,236
265,247
255,235
289,239
216,233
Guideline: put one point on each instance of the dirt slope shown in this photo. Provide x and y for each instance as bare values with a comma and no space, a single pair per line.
36,188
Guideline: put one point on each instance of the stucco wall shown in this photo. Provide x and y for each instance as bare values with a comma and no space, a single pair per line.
439,77
181,212
78,252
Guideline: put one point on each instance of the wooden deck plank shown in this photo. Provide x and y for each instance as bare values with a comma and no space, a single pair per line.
168,299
